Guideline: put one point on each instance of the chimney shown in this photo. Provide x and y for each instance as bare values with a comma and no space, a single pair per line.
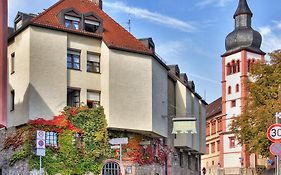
98,3
3,61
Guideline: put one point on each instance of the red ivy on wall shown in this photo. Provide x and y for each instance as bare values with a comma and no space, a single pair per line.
155,152
58,122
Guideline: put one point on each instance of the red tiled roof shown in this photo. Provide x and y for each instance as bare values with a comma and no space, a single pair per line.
214,108
114,35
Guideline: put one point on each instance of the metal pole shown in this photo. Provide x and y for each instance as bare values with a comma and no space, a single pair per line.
40,170
277,157
121,154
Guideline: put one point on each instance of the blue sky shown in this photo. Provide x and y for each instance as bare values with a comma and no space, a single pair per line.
189,33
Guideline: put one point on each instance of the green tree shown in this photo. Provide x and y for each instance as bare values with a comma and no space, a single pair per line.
263,101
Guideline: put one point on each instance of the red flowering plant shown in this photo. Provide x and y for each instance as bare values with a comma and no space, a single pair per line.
82,141
154,152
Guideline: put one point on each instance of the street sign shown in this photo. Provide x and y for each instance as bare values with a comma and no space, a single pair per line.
40,135
115,147
118,141
40,152
40,143
274,133
275,149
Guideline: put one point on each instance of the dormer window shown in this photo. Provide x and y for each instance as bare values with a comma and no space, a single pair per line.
92,23
72,22
91,26
18,22
74,19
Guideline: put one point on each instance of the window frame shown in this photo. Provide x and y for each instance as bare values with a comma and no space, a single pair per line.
213,127
237,87
13,94
73,101
72,61
229,89
51,142
94,103
232,142
72,19
93,24
213,147
219,127
13,63
94,63
233,103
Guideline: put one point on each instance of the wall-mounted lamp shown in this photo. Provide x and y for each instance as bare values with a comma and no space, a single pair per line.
184,125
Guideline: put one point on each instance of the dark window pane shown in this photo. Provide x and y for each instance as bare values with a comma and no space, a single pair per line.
73,60
90,66
75,25
76,66
68,23
76,58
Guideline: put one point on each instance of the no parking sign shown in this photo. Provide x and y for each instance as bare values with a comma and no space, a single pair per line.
40,143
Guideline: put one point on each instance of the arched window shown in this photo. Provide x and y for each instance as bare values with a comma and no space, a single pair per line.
238,65
229,90
237,88
233,64
111,168
228,69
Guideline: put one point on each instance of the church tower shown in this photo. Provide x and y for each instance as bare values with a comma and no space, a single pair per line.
242,49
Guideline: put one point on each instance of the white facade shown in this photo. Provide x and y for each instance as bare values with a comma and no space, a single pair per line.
234,156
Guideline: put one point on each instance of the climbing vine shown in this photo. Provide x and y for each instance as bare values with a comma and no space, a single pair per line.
82,142
142,150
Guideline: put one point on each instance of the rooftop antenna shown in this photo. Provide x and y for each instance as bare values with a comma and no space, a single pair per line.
129,25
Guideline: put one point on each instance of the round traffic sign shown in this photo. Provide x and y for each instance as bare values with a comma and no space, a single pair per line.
41,133
274,133
41,143
275,149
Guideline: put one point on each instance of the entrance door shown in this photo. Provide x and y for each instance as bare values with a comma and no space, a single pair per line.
111,168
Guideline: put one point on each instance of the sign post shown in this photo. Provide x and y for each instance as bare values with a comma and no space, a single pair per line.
40,146
277,115
274,135
119,142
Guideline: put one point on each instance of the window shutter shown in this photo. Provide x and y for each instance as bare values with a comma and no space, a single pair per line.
94,96
93,57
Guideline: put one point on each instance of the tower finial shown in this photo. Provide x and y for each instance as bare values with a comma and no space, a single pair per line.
243,37
243,8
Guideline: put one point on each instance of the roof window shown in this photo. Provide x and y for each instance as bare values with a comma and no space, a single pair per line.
72,22
91,26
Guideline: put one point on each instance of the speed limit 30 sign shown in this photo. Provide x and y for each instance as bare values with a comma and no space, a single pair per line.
274,133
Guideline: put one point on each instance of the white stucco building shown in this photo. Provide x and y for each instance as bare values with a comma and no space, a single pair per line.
74,53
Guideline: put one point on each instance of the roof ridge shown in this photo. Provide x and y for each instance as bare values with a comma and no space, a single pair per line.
119,25
47,10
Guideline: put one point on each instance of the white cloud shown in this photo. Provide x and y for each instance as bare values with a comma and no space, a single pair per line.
204,78
151,16
265,30
218,3
271,37
278,24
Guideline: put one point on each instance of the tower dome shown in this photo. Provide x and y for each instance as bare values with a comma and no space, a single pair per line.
243,37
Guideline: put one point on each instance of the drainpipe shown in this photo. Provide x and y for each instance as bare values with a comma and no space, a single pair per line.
3,61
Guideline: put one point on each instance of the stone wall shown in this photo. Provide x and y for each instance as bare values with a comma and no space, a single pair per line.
150,170
21,167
